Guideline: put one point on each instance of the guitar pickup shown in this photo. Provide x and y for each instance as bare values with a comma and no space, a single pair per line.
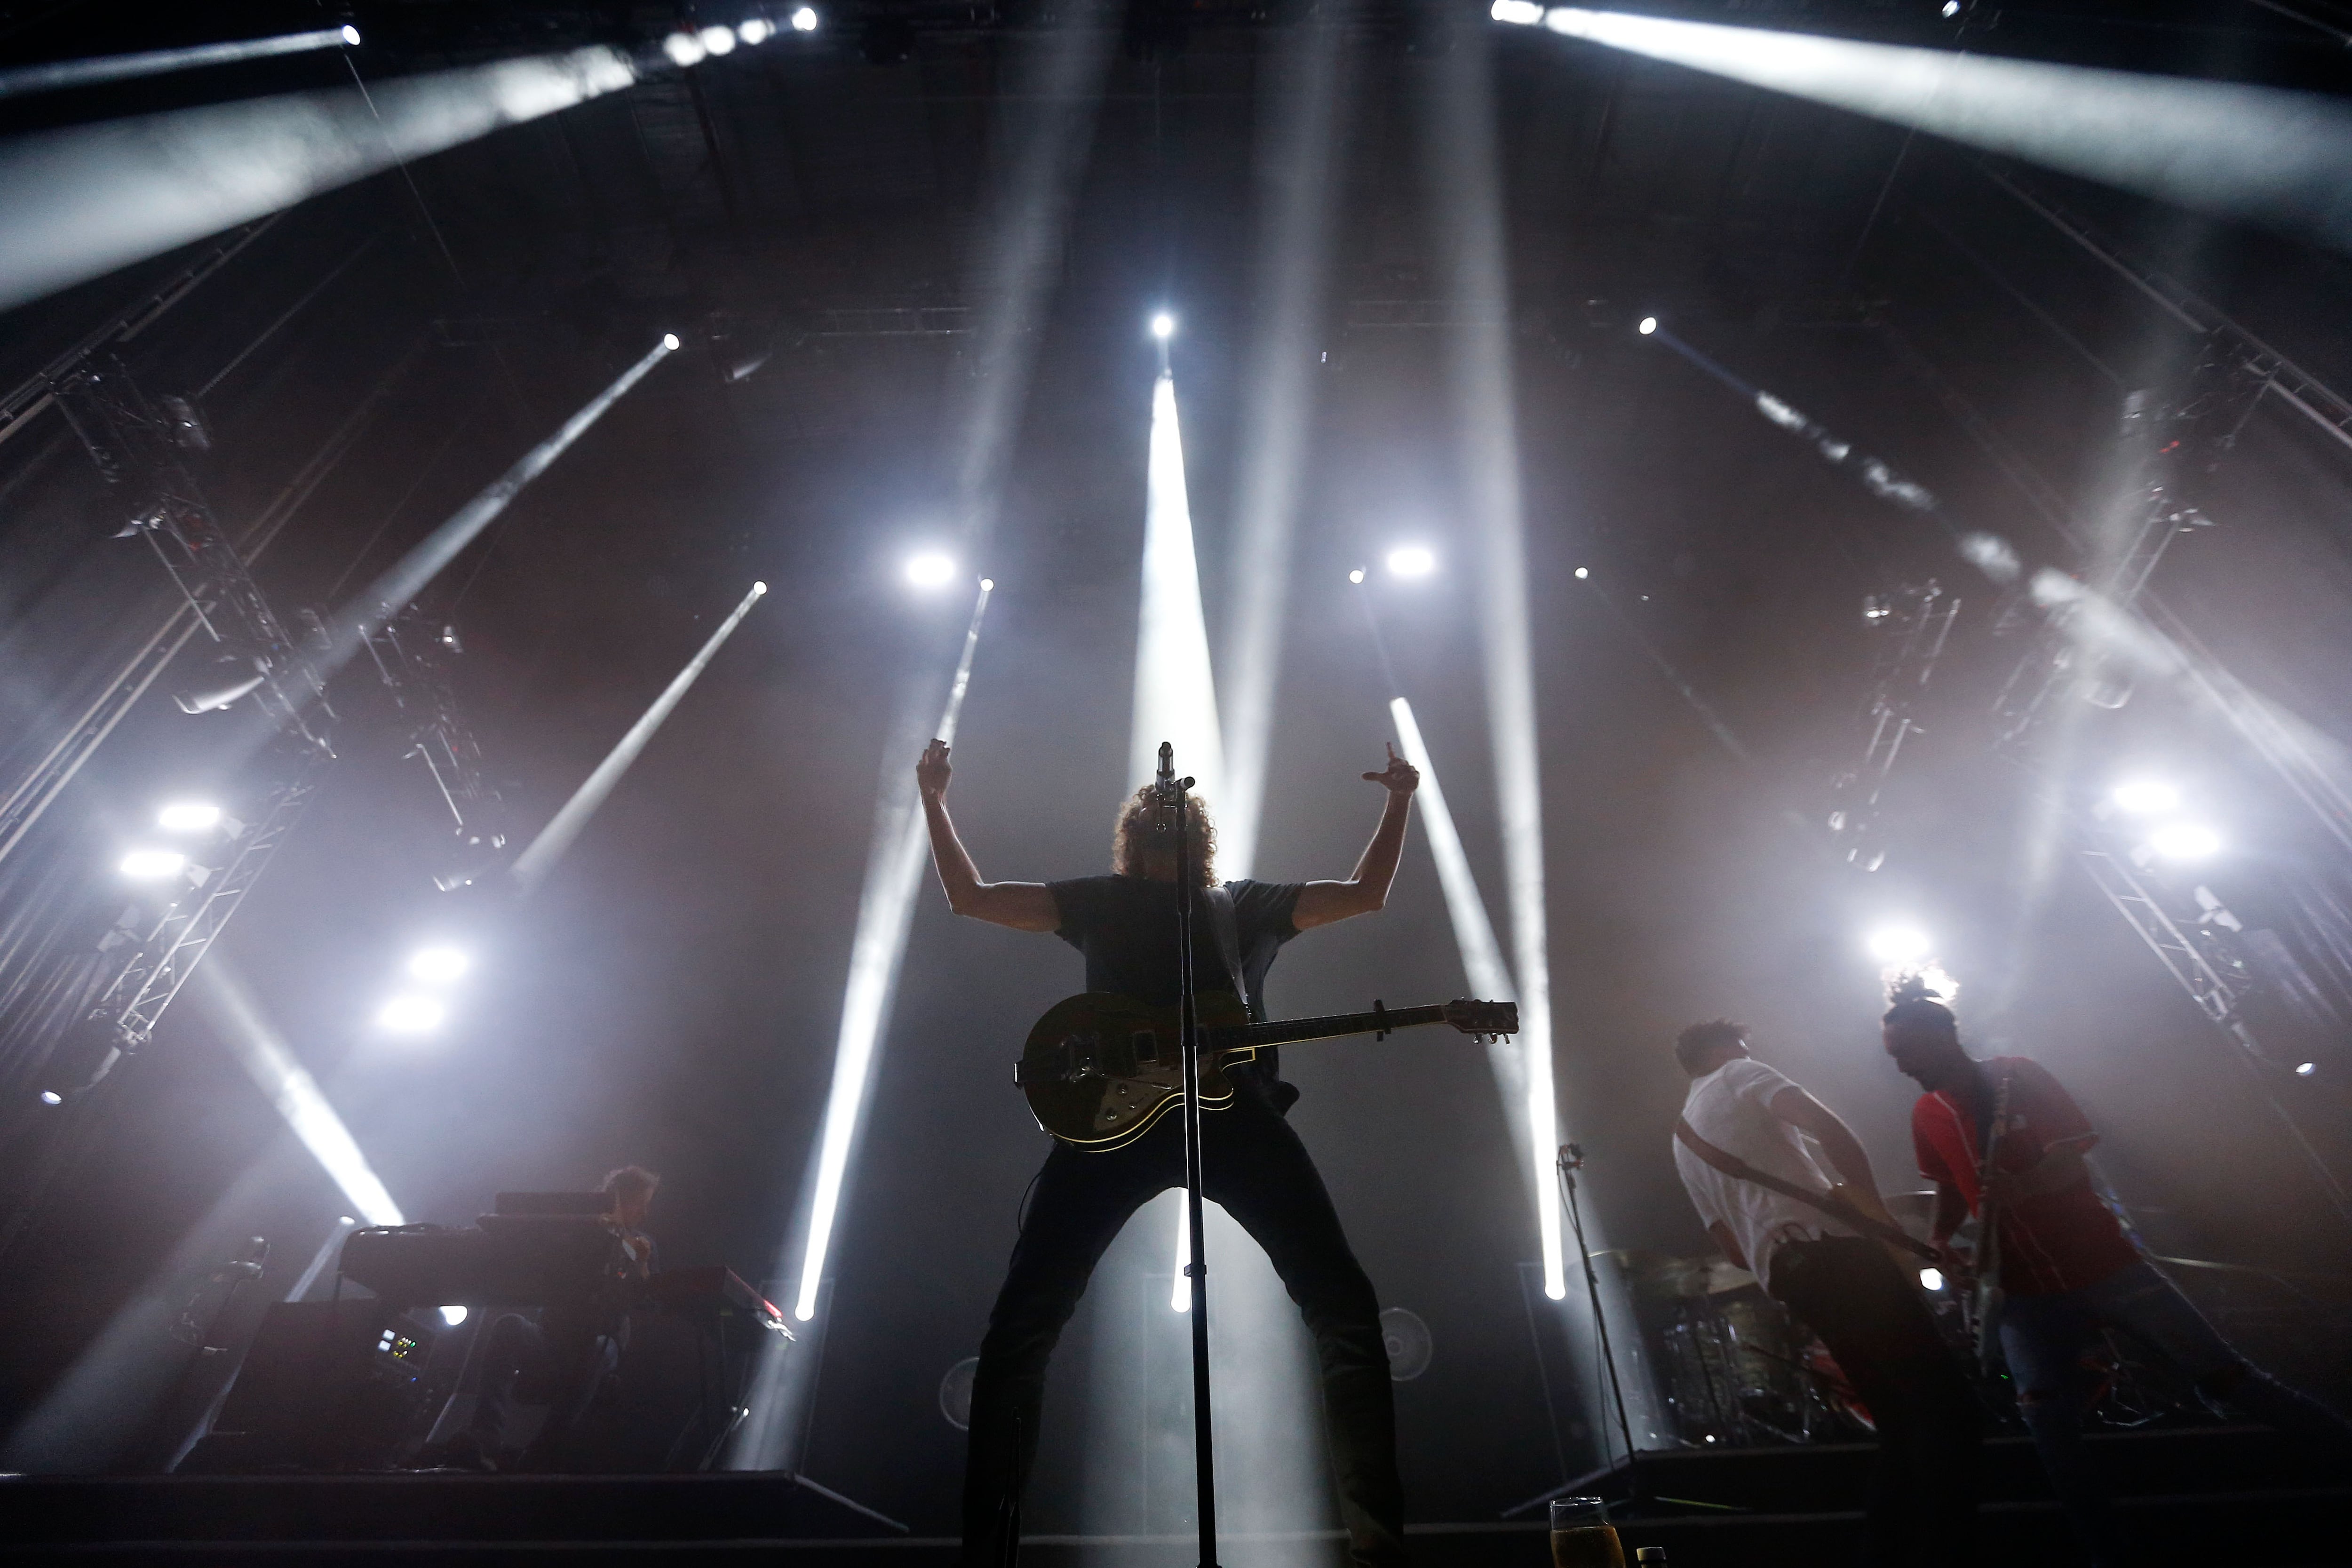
1075,1058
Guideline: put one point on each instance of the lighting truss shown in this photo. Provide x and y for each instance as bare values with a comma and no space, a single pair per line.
2202,956
1912,625
152,976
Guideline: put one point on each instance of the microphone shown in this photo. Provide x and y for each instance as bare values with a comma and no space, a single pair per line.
1165,784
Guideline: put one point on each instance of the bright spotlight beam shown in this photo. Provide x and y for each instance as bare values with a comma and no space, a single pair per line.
886,911
156,62
383,598
532,866
1175,690
266,1058
2257,152
86,199
1292,265
1465,162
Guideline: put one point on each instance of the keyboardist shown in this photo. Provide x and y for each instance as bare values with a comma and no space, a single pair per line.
558,1361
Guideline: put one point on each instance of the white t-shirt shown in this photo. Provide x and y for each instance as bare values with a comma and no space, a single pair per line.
1731,1108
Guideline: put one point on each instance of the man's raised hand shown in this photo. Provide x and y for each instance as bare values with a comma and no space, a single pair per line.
933,773
1400,777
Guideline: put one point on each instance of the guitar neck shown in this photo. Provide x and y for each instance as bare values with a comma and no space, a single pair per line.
1288,1030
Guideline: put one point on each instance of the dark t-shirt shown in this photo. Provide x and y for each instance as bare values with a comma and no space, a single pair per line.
1126,926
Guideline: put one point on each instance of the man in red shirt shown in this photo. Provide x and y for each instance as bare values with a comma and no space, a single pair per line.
2066,1267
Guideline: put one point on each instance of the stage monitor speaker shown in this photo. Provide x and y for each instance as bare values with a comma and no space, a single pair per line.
332,1386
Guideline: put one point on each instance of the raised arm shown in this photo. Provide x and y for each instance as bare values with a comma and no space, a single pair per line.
1024,906
1320,903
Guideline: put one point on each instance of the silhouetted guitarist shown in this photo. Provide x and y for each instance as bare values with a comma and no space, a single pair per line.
1251,1162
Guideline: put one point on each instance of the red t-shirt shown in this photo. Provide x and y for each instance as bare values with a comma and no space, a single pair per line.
2052,1241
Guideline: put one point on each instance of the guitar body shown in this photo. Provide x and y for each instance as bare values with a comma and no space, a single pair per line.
1100,1068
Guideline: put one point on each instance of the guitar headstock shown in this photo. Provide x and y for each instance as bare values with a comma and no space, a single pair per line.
1484,1017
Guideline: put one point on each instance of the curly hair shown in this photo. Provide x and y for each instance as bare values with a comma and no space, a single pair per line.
1138,818
1914,1002
1698,1042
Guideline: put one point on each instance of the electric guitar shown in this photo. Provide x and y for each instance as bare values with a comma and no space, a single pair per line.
1100,1068
1986,1304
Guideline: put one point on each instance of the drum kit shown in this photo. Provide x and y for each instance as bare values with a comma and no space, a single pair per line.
1738,1371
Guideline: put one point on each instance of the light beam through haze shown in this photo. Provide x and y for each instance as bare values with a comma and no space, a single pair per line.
2258,152
532,866
894,875
86,199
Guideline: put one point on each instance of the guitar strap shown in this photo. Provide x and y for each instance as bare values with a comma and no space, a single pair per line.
1739,1170
1227,929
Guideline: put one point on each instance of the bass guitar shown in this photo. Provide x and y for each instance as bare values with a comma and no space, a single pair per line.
1986,1301
1100,1068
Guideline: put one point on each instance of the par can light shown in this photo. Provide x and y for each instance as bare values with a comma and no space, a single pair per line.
931,570
152,865
188,816
803,19
409,1014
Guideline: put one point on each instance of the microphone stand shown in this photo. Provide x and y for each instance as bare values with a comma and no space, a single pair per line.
1196,1267
1571,1160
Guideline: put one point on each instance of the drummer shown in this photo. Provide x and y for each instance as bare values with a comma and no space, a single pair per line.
1743,1119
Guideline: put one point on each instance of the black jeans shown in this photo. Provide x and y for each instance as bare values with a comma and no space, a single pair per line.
1252,1164
1857,1298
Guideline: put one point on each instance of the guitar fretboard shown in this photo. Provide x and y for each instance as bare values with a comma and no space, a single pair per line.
1290,1029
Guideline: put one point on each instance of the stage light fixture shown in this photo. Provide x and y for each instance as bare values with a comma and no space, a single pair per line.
669,341
438,965
931,570
1898,944
760,589
188,816
1951,7
409,1014
1520,13
453,1315
718,40
804,19
684,50
1931,1279
1356,576
1581,573
2185,841
1649,324
1410,560
2144,797
988,585
2304,1069
51,1097
152,865
756,30
1164,326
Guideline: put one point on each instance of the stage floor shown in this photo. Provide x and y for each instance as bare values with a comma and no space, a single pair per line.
2221,1495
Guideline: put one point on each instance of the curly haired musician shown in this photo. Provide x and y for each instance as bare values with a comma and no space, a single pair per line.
1252,1163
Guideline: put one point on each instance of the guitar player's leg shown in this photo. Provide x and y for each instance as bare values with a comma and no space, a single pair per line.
1077,1206
1253,1164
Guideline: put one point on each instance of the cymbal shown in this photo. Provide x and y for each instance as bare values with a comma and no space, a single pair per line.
1911,1206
